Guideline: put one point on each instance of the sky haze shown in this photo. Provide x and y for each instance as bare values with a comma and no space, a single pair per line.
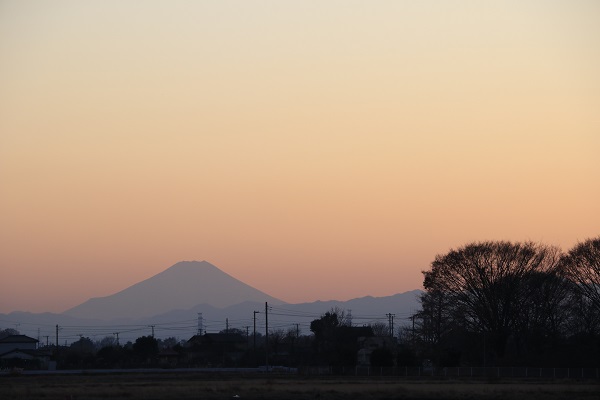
313,150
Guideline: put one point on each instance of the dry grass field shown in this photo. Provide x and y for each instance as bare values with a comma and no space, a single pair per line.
199,386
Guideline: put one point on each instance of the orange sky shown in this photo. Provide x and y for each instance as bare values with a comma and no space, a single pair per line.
314,150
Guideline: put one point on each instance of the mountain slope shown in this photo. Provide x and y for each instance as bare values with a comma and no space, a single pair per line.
364,310
182,286
182,323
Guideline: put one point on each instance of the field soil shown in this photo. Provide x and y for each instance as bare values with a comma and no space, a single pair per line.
209,387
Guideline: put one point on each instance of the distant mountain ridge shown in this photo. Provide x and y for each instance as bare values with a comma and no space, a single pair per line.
173,299
182,322
183,285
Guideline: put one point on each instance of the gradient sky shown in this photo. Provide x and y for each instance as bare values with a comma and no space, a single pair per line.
312,149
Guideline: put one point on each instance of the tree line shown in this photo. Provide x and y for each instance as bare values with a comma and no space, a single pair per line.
332,341
509,304
485,304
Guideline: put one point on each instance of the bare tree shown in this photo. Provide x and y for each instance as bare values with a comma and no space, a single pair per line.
547,310
292,334
485,284
436,318
380,329
344,319
581,265
583,315
107,341
8,332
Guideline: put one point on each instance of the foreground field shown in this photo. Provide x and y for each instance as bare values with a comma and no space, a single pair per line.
199,386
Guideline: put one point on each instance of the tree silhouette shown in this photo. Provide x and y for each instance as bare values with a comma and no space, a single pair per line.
380,329
145,347
335,339
581,265
485,285
8,332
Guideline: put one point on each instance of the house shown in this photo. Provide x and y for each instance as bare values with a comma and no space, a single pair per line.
21,342
21,351
217,349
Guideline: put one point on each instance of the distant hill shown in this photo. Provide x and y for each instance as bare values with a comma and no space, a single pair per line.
182,286
364,310
171,301
182,323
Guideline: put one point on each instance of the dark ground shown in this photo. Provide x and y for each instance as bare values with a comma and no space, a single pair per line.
160,386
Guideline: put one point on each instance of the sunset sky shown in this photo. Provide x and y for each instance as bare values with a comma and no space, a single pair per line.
312,149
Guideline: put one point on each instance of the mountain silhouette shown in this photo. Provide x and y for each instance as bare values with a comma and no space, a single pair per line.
184,285
187,288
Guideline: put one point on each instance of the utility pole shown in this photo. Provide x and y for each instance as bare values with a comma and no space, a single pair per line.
294,341
56,336
152,326
413,329
226,325
267,335
391,323
255,312
47,337
199,323
247,337
117,335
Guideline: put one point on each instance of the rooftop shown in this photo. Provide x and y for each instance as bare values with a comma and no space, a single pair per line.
18,339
